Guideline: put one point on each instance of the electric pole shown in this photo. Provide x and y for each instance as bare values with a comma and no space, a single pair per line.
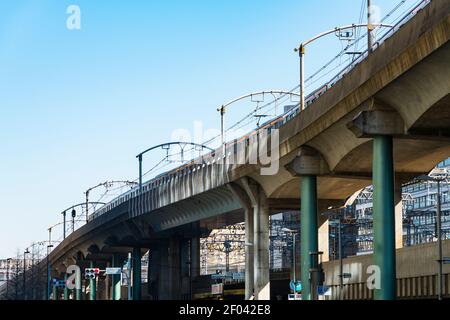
369,26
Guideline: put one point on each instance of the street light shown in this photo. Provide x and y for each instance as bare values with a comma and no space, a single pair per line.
426,178
166,146
301,51
105,184
294,233
223,108
74,214
24,271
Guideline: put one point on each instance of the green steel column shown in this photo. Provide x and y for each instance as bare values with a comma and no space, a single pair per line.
384,216
78,294
309,230
49,278
92,285
55,293
136,273
116,287
66,290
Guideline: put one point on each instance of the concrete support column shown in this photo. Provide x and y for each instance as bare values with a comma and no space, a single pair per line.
249,264
136,261
115,283
162,277
154,271
324,237
309,232
185,270
398,201
174,269
245,196
384,216
92,285
194,263
195,257
79,292
257,205
261,248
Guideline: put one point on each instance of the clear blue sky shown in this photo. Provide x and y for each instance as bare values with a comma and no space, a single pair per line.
77,106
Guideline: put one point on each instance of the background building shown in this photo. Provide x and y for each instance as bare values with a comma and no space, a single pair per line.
419,215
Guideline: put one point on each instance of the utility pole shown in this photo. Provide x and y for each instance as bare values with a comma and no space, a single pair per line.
140,172
8,261
64,224
190,268
48,285
33,280
17,278
24,271
50,236
87,206
301,53
49,245
369,26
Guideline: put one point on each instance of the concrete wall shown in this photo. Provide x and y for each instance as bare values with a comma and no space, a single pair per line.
417,270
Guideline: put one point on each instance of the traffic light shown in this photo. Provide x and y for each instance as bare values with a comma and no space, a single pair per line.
91,273
59,283
62,284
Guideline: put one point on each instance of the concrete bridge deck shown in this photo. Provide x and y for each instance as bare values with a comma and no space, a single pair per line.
400,90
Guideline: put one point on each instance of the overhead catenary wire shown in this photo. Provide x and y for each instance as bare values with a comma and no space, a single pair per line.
249,118
316,76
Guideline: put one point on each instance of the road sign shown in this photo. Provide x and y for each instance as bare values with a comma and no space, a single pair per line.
297,287
59,283
296,296
218,276
125,281
446,260
323,291
113,271
238,276
346,275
